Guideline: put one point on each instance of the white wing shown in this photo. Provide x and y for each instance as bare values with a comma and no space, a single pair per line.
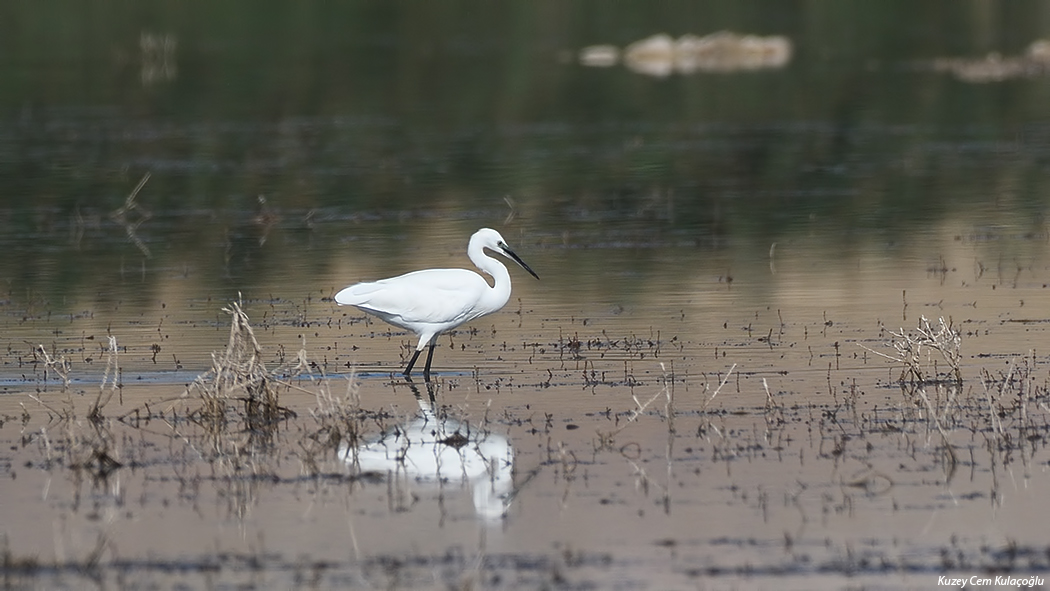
432,296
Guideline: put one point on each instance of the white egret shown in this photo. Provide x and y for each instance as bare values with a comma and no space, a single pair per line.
433,301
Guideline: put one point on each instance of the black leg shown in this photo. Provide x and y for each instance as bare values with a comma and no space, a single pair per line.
415,390
408,370
430,356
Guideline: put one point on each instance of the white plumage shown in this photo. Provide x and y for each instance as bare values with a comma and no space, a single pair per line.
436,451
433,301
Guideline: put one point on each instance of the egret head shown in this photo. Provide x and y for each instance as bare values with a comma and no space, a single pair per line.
491,239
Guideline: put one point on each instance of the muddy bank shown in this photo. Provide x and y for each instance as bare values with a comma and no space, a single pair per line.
717,441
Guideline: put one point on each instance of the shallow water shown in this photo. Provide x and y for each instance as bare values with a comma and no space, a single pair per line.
809,462
695,394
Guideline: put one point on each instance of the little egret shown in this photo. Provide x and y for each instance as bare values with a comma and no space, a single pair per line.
433,301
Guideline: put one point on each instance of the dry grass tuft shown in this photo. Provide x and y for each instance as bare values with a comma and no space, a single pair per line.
111,376
54,365
340,420
918,352
238,378
1009,411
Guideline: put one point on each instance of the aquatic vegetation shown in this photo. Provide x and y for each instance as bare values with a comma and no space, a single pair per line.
54,365
110,378
914,351
239,381
665,451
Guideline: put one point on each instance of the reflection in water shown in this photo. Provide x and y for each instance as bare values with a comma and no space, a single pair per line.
158,57
123,217
433,449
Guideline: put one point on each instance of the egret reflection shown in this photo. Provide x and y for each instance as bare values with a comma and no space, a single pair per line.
433,450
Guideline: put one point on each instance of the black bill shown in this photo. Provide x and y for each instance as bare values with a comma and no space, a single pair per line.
510,253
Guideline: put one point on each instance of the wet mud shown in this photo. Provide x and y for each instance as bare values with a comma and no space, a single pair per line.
881,431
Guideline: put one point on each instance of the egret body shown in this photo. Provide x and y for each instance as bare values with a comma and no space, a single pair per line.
433,301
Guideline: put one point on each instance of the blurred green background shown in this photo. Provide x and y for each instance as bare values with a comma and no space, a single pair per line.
339,114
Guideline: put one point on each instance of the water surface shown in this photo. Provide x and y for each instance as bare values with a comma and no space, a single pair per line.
692,395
